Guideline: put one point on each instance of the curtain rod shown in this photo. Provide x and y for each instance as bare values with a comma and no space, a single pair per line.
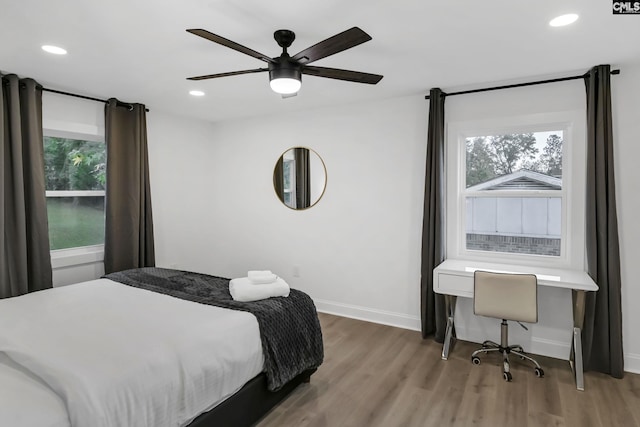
539,82
75,95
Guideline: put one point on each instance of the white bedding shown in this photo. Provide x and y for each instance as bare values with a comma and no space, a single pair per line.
122,356
21,392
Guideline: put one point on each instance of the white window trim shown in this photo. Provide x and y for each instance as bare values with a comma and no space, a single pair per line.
75,193
573,186
84,136
62,258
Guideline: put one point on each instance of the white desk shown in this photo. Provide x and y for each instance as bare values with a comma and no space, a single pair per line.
454,278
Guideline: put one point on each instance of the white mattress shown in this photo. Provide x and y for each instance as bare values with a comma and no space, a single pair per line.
116,355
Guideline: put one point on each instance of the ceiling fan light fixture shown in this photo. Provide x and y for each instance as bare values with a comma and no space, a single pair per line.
285,78
285,85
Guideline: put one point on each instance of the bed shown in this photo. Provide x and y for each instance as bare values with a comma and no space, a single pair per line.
151,347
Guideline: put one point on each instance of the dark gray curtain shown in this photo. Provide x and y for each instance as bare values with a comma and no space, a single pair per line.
278,179
303,181
128,241
602,333
25,260
432,305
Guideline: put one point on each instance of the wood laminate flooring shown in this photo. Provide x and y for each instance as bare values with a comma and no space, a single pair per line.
376,375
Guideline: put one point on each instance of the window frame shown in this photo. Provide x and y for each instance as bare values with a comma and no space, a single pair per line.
69,257
573,125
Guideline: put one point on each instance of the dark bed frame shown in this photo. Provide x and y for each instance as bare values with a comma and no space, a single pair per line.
249,404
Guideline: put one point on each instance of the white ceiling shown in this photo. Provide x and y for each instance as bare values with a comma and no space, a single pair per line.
139,51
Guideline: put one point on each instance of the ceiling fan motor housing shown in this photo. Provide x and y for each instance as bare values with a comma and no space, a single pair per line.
284,68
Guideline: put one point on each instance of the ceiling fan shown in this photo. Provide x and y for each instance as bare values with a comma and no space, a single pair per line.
285,72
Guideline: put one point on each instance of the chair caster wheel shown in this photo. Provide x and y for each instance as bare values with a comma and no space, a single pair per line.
507,376
475,360
539,372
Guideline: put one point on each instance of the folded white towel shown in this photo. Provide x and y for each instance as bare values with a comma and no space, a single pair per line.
263,280
242,289
253,273
261,277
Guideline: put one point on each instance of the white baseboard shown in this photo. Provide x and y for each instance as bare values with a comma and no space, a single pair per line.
551,348
632,363
399,320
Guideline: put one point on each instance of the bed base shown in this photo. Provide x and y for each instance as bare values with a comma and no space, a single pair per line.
249,404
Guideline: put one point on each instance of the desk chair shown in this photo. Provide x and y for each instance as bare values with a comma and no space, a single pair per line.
507,297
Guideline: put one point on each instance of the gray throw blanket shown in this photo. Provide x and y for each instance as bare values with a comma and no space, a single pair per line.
289,327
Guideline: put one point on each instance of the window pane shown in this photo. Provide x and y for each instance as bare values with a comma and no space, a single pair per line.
519,161
288,168
524,225
78,166
75,221
73,164
514,162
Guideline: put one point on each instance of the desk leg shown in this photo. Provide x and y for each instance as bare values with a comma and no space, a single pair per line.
450,332
575,359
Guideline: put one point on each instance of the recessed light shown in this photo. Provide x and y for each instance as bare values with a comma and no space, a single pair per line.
196,93
562,20
54,49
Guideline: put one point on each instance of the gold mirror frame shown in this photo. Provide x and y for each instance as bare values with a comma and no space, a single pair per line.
299,178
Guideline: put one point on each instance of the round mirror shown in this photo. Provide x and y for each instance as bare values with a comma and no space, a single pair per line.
299,178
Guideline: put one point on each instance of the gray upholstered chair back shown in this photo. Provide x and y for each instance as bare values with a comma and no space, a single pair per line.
506,296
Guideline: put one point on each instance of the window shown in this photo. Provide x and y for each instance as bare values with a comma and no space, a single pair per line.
75,177
289,181
513,195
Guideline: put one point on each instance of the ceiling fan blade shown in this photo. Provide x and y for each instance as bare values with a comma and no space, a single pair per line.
231,73
230,44
335,73
345,40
